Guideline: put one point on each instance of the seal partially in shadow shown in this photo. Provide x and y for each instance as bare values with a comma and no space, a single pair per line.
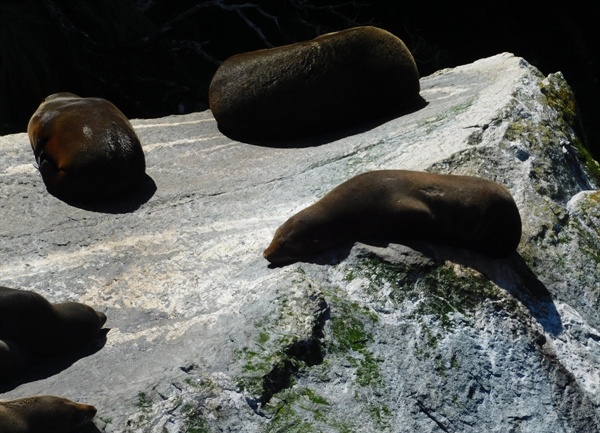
337,80
85,148
399,205
43,414
30,326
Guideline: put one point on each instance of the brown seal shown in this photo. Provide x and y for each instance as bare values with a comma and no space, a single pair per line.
85,148
398,205
331,82
43,414
39,327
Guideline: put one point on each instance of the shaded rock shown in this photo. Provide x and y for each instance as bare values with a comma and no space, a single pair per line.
374,338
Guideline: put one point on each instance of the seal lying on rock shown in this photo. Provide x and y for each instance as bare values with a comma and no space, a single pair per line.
398,205
43,414
31,326
40,327
85,148
331,82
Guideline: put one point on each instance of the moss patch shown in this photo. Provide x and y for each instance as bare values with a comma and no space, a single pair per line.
586,158
587,243
293,409
285,344
437,290
144,403
563,164
193,420
435,123
296,401
350,338
562,99
277,370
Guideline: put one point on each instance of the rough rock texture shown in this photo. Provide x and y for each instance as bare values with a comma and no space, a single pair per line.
205,337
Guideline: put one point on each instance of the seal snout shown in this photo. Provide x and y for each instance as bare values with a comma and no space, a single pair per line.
88,411
274,248
277,256
268,252
78,415
101,318
273,253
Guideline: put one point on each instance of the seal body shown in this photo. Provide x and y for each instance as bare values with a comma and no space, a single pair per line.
398,205
85,148
43,414
14,360
28,320
321,85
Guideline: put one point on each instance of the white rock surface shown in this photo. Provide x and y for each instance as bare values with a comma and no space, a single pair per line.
393,339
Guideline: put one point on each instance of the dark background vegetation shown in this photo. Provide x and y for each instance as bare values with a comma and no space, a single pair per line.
156,57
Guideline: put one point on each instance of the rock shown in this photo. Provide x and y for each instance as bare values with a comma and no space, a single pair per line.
205,337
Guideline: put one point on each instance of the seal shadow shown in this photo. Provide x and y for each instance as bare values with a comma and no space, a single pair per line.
87,428
313,139
510,274
44,366
332,256
122,204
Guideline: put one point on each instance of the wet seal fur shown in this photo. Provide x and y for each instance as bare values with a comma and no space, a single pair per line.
331,82
31,326
398,205
85,148
43,414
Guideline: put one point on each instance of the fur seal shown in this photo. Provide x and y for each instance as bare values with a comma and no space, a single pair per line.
325,84
398,205
85,148
39,327
43,414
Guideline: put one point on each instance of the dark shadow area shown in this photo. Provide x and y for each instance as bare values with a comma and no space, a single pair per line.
46,366
511,274
155,58
123,204
319,138
332,256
